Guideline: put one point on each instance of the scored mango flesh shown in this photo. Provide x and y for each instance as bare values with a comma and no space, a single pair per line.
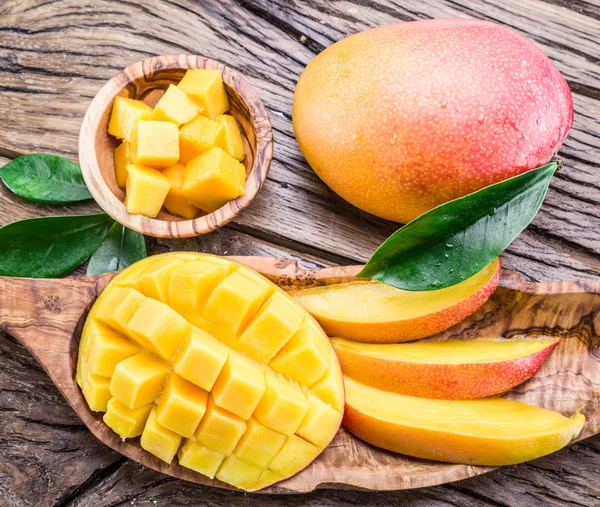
208,361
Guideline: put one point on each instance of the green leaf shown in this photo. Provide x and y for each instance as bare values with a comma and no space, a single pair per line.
454,241
121,247
50,247
45,178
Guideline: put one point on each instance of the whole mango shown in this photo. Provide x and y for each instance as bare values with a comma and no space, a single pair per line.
402,118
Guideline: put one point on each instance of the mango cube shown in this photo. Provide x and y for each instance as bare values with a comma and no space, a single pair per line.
145,190
124,421
175,106
220,430
259,445
234,144
116,307
267,478
213,179
304,358
239,473
240,386
294,456
155,144
122,158
159,328
283,406
96,390
235,300
181,406
191,285
206,87
320,423
158,440
201,359
126,113
177,203
137,380
154,281
328,386
199,136
276,322
108,349
195,456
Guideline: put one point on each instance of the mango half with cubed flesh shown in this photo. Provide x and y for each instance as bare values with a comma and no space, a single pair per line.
370,311
487,431
208,361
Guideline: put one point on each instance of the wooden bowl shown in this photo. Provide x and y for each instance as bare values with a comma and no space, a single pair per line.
147,80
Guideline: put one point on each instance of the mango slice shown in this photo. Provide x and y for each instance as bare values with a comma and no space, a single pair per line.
146,190
122,158
126,113
175,202
488,431
210,362
199,136
234,144
370,311
155,144
206,87
213,179
445,370
175,106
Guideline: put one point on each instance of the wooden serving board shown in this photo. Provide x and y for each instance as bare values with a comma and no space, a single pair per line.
567,382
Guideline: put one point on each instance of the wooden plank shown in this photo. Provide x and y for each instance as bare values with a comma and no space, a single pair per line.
294,206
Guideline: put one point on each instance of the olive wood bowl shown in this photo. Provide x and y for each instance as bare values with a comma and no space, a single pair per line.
147,80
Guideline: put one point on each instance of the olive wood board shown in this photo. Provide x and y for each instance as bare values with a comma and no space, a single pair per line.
47,316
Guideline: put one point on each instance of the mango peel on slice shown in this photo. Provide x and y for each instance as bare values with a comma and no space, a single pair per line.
205,360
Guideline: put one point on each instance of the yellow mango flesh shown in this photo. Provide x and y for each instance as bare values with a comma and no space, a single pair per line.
199,458
146,190
234,144
213,179
206,87
175,202
122,158
158,440
199,136
167,333
126,113
124,421
175,106
220,430
487,431
155,144
182,405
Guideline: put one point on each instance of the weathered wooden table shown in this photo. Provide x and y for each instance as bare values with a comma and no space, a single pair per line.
55,55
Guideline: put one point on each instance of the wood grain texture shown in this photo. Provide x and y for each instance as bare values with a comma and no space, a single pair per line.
56,55
147,80
47,316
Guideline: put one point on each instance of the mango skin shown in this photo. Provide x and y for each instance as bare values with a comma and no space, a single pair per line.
402,118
